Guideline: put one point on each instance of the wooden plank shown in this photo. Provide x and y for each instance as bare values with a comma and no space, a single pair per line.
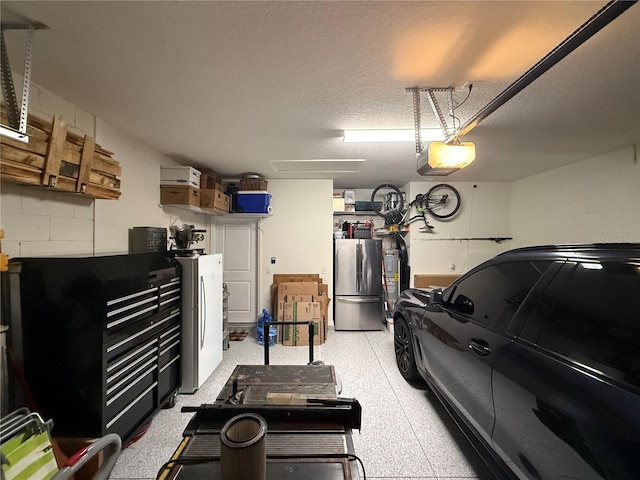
22,156
53,157
71,137
27,175
100,162
67,169
40,133
106,165
85,163
34,146
19,173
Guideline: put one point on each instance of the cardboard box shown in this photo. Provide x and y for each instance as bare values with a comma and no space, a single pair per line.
186,176
214,199
179,195
303,287
289,299
297,288
323,298
210,180
432,281
294,335
290,290
296,277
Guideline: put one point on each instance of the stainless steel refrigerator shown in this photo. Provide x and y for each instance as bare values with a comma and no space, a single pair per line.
357,285
201,318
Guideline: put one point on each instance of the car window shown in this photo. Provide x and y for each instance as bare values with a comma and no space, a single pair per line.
493,294
594,319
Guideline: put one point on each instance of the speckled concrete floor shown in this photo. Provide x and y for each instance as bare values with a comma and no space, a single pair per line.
405,431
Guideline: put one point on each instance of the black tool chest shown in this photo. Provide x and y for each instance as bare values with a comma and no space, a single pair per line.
99,338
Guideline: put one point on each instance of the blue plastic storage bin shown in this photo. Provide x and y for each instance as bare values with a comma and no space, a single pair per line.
253,202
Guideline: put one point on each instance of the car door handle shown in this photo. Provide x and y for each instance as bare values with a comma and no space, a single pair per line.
479,346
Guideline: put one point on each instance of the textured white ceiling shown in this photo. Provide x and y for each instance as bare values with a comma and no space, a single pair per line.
234,85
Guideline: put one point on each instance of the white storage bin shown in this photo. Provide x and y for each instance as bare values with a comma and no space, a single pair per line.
180,176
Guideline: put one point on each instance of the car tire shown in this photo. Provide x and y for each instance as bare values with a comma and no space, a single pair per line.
403,345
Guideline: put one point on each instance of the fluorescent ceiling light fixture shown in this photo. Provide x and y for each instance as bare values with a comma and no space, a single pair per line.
317,166
391,135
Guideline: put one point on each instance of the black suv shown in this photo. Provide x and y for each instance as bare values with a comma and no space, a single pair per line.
536,354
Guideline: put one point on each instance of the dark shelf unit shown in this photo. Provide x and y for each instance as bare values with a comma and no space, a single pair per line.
98,339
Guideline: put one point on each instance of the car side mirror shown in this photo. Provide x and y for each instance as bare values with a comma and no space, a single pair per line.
437,297
463,304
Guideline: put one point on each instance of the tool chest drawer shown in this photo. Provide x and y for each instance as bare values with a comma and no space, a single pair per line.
128,376
150,327
97,338
169,366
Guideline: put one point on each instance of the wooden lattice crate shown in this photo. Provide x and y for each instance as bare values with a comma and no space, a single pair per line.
59,159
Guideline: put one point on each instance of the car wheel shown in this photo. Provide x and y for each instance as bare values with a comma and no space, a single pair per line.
403,345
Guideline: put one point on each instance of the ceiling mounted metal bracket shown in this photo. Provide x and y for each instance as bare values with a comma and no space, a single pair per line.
17,128
436,108
433,101
416,117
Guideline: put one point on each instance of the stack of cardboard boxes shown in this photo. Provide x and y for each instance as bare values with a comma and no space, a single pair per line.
300,298
188,186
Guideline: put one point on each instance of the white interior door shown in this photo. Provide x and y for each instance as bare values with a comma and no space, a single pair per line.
237,241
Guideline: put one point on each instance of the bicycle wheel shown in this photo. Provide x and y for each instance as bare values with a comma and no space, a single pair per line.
443,201
387,201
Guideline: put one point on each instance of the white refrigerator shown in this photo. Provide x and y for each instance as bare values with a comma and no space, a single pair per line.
201,319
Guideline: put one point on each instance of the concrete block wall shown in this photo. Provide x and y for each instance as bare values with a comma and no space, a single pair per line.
595,200
37,221
40,222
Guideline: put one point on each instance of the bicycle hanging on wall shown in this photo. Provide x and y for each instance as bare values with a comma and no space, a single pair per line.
441,201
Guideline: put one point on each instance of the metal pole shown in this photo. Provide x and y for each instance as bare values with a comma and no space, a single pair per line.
592,26
310,342
8,90
26,83
266,327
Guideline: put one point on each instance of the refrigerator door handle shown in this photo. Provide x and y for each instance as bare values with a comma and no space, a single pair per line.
203,311
358,299
359,267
